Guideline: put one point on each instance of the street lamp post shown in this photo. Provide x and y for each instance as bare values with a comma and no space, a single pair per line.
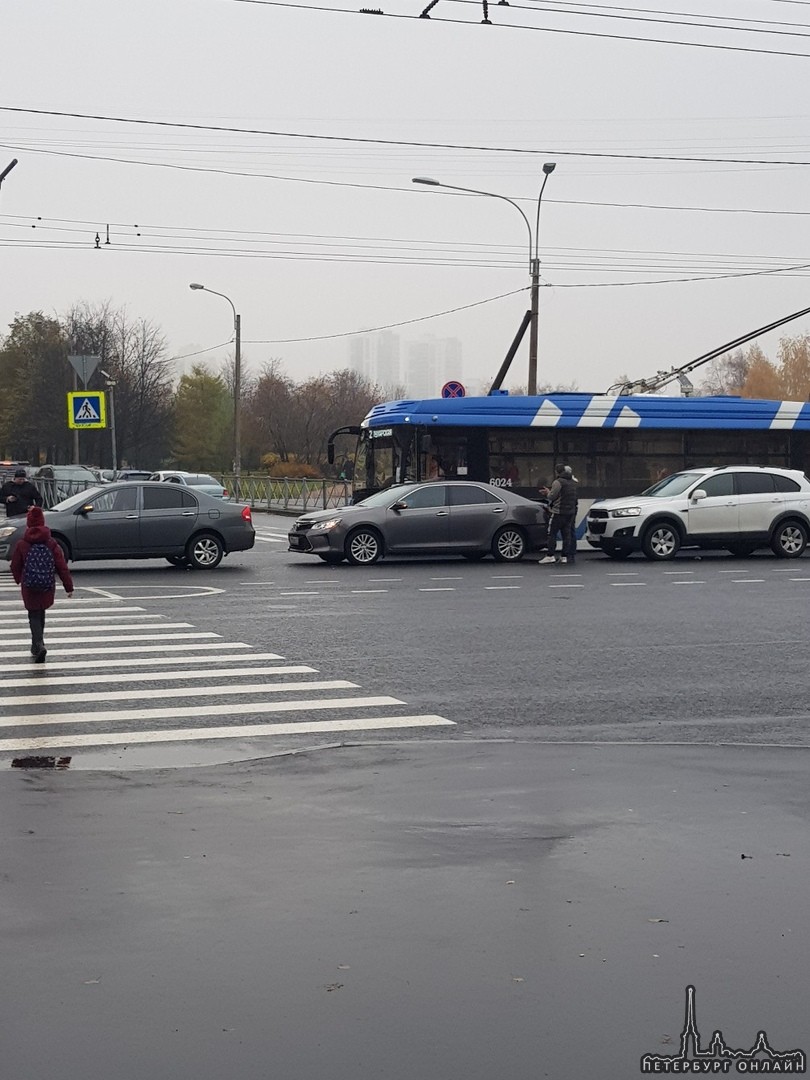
237,383
534,255
111,384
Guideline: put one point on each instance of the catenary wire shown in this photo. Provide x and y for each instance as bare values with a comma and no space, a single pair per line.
185,125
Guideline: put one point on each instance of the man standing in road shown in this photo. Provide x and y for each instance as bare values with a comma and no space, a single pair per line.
19,494
562,497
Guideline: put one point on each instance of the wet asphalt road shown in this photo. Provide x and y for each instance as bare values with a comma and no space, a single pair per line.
519,893
440,910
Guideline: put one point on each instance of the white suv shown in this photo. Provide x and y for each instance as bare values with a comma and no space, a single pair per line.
739,507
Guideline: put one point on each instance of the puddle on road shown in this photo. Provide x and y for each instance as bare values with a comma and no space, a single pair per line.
39,761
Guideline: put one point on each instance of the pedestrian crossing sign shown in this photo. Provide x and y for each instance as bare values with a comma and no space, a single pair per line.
87,409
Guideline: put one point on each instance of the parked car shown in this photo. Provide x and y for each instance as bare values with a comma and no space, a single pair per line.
435,518
144,521
737,507
106,476
201,481
57,482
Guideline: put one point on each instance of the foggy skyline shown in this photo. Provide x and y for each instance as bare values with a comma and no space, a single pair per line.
316,239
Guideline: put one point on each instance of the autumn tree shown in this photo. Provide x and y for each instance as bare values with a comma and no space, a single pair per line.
35,377
134,353
203,422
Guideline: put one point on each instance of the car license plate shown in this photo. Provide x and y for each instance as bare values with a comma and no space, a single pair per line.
295,541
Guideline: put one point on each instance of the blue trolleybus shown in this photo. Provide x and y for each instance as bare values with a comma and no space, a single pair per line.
616,445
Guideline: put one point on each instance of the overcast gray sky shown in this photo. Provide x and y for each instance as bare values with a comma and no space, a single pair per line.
314,237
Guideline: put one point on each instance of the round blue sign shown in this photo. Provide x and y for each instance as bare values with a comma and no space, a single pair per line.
453,389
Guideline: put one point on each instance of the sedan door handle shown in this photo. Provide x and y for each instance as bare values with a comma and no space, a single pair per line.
441,513
497,510
187,513
132,517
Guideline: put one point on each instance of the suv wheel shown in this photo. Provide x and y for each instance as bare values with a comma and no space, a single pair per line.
661,541
789,539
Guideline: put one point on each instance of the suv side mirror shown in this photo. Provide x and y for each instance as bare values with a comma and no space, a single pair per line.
698,495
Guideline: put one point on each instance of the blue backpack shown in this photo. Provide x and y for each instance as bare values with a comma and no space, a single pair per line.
39,572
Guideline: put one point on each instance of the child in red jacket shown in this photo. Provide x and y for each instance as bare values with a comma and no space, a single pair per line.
38,597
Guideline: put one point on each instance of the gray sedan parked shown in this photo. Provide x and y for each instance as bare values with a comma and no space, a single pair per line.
436,518
143,521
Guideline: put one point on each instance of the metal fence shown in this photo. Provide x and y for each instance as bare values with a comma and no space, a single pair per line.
278,493
259,492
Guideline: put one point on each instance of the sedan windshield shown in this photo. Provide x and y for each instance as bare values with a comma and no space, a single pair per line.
672,485
386,497
77,500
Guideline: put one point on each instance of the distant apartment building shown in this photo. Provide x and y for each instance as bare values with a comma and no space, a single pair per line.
431,362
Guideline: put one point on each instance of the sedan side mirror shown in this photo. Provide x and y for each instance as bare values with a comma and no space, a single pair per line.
86,509
698,495
399,506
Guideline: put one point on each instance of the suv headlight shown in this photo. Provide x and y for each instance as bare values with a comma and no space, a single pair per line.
7,531
322,526
626,511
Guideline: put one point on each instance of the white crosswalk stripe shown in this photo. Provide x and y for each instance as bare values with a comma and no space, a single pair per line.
117,675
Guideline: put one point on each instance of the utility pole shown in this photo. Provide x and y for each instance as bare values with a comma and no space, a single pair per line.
548,169
111,384
237,403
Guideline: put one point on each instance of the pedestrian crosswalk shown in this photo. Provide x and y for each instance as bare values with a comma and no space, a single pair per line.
120,675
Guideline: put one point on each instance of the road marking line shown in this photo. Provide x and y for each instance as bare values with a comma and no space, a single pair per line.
505,577
357,592
688,583
626,584
748,581
299,594
53,637
444,588
319,582
382,579
250,731
76,608
623,573
60,628
446,579
137,661
142,649
232,708
800,579
63,619
490,588
680,571
176,692
98,679
269,540
566,586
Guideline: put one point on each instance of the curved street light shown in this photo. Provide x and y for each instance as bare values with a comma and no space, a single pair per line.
534,254
237,382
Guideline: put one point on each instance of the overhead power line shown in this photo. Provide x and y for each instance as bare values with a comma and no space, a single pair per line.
366,140
522,26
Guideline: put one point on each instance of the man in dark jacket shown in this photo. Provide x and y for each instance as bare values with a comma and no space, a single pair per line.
562,497
19,494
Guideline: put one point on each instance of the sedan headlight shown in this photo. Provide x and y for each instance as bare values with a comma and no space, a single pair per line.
626,511
322,526
9,530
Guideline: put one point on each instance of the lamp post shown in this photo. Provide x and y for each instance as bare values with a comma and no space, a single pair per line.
534,254
237,383
7,170
111,384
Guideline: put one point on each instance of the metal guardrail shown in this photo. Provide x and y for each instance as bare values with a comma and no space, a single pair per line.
259,492
54,491
279,493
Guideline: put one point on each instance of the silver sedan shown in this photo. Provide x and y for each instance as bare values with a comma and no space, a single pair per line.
436,518
143,521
